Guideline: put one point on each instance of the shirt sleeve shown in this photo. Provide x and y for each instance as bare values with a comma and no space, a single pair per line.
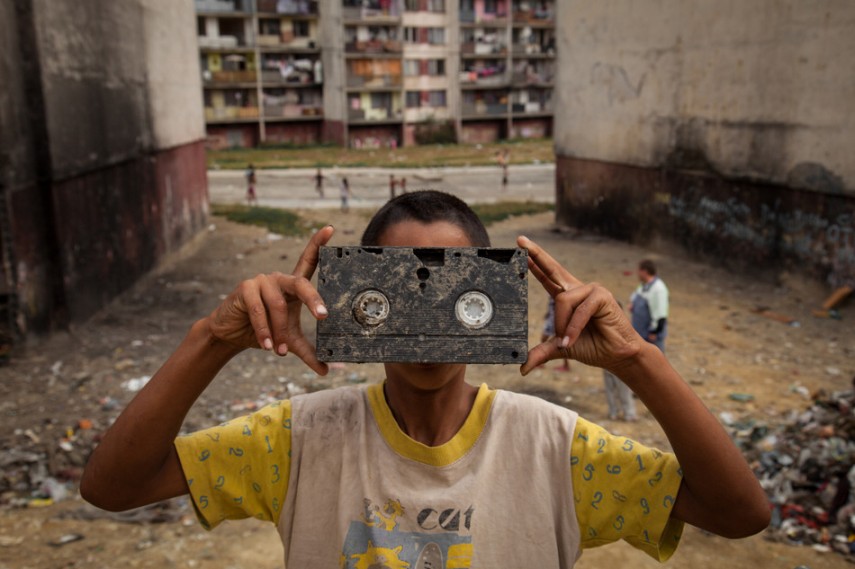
239,469
624,490
657,302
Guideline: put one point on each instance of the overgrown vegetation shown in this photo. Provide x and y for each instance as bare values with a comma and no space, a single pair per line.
424,156
281,221
495,212
287,222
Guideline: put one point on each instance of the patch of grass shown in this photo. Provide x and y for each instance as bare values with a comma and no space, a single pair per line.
425,156
281,221
495,212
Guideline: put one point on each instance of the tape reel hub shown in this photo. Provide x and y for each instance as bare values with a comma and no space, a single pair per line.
371,308
474,309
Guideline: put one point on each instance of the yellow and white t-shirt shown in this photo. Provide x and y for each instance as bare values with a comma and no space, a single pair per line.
523,484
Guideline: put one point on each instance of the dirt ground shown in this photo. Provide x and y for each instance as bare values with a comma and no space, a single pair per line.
718,345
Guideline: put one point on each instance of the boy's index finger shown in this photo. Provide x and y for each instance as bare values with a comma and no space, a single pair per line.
308,261
547,265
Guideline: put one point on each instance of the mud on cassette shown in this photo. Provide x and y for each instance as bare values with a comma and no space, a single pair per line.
400,304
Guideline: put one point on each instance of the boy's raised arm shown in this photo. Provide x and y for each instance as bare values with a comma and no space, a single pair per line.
136,462
719,493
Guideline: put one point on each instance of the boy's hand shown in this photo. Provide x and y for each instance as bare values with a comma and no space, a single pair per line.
590,326
264,312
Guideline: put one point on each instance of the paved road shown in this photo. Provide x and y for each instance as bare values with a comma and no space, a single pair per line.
295,188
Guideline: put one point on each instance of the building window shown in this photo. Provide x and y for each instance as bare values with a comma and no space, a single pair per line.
429,67
432,36
269,27
426,99
300,28
436,6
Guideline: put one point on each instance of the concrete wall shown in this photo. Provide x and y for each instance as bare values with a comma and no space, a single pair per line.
661,101
109,174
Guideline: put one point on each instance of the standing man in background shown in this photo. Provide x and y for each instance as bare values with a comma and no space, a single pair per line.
648,305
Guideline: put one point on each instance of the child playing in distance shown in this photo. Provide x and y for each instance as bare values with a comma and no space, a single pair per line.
424,469
249,174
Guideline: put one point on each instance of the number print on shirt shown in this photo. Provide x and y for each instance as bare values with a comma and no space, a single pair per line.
205,455
601,444
613,469
221,481
668,501
627,445
598,497
645,506
619,521
589,472
656,478
236,451
276,476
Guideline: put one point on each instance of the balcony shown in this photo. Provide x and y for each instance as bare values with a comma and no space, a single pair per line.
484,74
532,108
219,6
276,78
233,76
372,10
292,111
485,49
373,81
289,7
220,42
485,109
374,46
374,114
525,13
531,79
226,114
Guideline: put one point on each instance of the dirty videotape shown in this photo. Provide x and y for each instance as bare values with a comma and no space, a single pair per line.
432,305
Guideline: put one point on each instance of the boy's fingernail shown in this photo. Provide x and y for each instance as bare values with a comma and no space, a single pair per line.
565,341
283,349
321,309
268,344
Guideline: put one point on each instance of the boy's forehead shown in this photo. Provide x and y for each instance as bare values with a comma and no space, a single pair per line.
413,233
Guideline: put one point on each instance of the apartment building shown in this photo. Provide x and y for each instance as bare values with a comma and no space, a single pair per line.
375,73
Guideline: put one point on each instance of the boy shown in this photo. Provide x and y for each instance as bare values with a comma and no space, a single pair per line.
425,470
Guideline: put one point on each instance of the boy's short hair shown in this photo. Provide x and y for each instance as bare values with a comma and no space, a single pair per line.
426,206
647,266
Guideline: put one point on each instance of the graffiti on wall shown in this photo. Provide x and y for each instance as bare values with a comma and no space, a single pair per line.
826,238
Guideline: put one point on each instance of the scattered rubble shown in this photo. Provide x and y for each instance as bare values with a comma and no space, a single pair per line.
807,467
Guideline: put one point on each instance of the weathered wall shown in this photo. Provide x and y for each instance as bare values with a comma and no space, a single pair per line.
666,110
173,82
101,147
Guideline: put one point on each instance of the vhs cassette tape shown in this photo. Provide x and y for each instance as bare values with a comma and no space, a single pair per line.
432,305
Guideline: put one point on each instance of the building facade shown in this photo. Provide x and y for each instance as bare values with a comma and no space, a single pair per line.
375,73
102,158
724,127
